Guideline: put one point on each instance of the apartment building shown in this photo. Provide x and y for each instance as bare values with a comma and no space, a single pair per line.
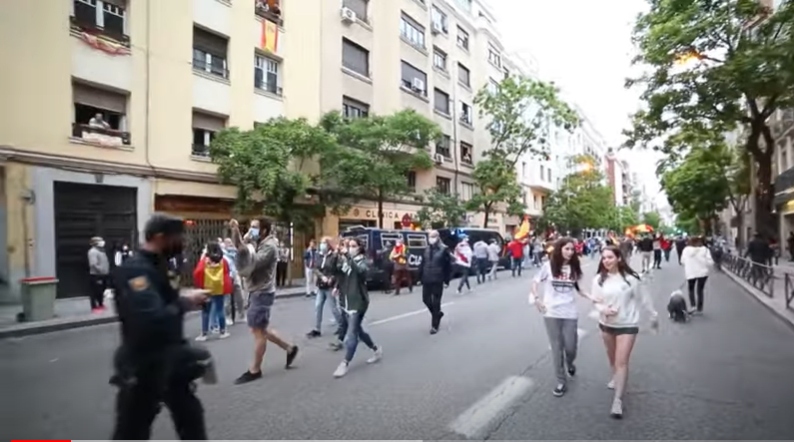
615,176
109,107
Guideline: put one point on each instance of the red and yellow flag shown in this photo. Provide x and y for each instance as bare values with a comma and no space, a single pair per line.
269,36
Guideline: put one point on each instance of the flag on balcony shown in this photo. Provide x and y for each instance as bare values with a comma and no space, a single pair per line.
269,36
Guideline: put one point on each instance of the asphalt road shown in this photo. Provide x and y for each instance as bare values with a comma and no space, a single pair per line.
727,375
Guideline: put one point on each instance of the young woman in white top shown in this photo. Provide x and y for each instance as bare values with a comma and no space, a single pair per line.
697,262
619,293
560,277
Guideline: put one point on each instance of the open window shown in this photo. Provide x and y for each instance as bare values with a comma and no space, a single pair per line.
100,116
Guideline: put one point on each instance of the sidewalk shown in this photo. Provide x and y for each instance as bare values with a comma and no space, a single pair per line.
74,313
777,303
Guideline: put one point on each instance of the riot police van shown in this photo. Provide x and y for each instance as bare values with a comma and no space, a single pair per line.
452,236
378,243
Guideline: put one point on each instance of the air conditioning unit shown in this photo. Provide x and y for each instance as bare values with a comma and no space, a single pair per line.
436,28
438,158
348,15
418,85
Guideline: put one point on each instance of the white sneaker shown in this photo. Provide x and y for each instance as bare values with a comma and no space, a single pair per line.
341,370
224,335
617,409
229,321
611,384
201,338
378,354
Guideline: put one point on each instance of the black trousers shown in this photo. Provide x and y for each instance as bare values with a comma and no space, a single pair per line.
696,285
137,406
281,273
97,290
657,258
431,296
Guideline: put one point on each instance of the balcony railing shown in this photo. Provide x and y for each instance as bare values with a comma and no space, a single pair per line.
210,68
269,10
200,150
90,27
101,136
270,87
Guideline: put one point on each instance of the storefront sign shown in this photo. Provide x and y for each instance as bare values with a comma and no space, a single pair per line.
361,213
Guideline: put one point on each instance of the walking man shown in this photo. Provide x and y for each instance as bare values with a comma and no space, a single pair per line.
435,273
259,270
99,269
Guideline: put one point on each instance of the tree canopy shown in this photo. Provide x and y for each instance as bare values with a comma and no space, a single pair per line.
496,182
714,64
441,209
582,201
521,112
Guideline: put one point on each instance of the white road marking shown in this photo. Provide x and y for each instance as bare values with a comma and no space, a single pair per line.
483,412
405,315
53,360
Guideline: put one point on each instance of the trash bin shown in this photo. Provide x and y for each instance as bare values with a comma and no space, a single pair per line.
38,298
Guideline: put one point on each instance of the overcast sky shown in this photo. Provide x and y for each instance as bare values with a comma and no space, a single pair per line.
584,46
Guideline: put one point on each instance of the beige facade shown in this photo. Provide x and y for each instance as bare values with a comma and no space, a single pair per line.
165,75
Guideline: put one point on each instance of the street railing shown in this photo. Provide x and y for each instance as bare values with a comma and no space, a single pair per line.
758,275
789,289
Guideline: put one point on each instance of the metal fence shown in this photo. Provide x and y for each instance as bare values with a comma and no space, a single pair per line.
758,275
789,288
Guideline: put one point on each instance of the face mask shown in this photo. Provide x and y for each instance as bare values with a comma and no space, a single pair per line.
254,233
323,247
353,251
100,244
432,240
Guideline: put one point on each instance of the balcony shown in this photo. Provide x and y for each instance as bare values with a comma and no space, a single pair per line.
269,10
201,151
100,136
100,18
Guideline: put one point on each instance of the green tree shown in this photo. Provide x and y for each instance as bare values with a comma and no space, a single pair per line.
376,154
715,64
520,112
441,209
496,182
621,218
266,165
582,201
652,219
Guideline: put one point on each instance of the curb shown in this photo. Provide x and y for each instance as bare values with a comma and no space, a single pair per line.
761,299
22,330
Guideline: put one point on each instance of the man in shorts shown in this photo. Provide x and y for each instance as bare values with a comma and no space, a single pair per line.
257,256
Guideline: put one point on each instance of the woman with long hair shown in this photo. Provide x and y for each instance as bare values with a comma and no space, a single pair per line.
619,292
697,261
560,277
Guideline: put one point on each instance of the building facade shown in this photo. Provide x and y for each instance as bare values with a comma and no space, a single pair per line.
112,118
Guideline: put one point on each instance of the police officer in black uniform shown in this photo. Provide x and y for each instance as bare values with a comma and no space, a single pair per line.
154,364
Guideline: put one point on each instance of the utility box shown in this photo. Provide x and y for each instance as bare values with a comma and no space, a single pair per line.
38,298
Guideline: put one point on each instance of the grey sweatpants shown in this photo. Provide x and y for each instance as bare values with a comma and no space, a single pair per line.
564,341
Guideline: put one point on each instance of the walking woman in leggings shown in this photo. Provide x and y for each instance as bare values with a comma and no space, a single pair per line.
619,293
697,261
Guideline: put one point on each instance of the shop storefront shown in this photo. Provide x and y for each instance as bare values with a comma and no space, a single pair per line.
393,218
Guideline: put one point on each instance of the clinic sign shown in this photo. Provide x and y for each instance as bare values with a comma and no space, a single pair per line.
393,215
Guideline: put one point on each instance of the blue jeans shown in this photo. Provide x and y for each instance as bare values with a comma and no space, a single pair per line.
213,310
355,331
515,265
319,303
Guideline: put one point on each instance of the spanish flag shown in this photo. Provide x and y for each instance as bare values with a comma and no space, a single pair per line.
523,231
269,36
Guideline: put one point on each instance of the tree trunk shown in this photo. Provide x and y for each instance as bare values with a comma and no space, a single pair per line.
486,211
380,209
740,230
764,193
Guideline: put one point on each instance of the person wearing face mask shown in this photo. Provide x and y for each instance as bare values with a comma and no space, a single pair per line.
154,364
99,269
213,274
236,302
325,270
351,268
435,273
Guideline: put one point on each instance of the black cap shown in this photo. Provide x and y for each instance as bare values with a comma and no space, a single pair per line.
161,223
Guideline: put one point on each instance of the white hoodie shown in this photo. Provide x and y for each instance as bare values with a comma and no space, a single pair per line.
463,255
697,261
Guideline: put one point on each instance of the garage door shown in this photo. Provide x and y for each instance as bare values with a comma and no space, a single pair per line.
81,212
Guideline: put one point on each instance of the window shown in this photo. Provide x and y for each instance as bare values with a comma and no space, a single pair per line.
542,172
466,152
494,57
507,74
354,109
548,174
465,4
416,241
413,79
439,59
463,38
410,179
106,16
412,31
465,113
443,185
537,202
443,146
358,6
440,21
464,76
466,191
204,128
355,58
269,9
441,101
209,53
524,169
99,116
493,86
266,74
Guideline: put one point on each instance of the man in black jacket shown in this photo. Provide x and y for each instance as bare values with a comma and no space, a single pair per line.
152,365
435,273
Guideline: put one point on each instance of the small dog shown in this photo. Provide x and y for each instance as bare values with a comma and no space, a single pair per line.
676,307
